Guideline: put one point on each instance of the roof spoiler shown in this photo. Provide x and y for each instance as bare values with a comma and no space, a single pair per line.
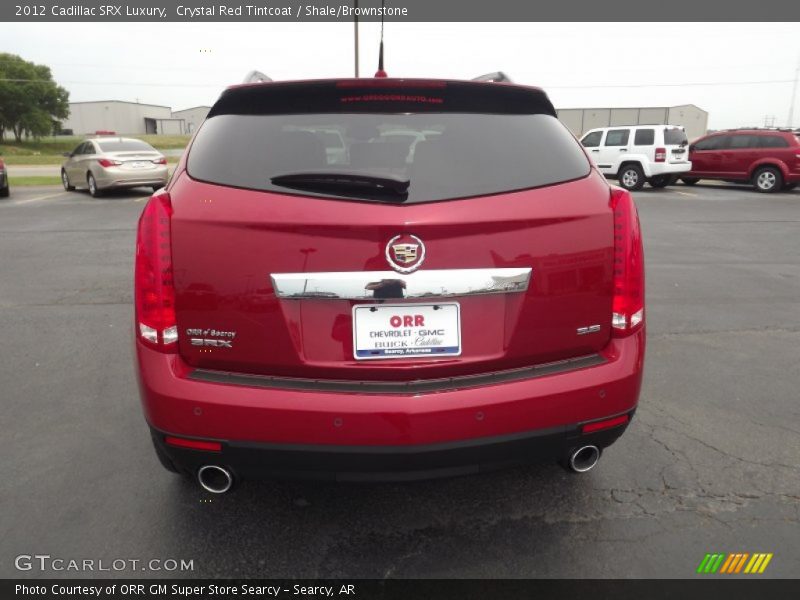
256,77
496,77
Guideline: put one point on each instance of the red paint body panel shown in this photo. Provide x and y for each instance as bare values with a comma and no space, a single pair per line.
227,242
741,163
182,406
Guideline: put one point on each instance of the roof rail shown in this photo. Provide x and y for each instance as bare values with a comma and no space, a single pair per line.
496,77
256,77
759,129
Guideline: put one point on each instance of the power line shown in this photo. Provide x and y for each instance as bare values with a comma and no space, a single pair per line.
648,85
558,87
117,83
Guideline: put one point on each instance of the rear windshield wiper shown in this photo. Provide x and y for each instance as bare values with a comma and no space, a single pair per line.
350,183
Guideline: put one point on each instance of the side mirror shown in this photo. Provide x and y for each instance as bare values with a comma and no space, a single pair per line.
66,154
691,148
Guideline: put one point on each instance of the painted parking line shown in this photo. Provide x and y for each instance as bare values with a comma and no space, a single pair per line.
684,193
36,199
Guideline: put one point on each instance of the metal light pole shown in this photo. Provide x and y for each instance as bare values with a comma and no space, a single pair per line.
355,27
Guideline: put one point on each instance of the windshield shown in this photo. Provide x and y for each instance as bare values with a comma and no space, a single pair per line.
441,155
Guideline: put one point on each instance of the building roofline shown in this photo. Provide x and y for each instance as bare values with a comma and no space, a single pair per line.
120,102
191,108
632,107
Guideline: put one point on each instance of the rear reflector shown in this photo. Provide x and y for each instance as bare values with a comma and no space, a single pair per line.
160,161
627,305
154,291
606,424
193,444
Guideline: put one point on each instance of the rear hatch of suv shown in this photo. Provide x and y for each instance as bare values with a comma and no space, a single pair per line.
460,230
676,144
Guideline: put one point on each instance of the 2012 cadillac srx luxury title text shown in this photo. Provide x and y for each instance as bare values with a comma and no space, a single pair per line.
386,279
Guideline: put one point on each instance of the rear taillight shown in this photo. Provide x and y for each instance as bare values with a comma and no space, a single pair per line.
160,161
105,162
661,154
154,291
627,309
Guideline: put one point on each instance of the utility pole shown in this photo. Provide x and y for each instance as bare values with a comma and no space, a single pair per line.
794,93
355,26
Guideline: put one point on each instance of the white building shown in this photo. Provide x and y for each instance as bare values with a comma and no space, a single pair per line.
121,117
191,117
581,120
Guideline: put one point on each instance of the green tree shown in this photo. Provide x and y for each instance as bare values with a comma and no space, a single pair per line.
31,103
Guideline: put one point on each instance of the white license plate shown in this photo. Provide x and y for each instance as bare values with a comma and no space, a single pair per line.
138,164
406,330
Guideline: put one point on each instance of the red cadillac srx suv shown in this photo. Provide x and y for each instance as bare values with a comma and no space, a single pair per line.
386,279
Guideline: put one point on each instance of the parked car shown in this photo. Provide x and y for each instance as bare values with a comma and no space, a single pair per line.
4,189
481,306
769,159
655,154
104,163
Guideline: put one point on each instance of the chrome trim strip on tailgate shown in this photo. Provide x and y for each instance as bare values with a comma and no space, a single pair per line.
369,285
420,386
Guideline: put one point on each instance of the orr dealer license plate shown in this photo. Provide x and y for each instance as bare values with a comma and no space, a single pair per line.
406,330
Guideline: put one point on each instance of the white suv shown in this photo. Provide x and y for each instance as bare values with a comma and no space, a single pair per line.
656,154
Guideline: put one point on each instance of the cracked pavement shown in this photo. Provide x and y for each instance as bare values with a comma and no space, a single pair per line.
711,462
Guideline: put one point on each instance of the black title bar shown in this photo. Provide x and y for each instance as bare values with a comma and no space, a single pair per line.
397,10
711,588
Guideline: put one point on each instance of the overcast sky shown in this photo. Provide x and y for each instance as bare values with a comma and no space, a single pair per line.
188,64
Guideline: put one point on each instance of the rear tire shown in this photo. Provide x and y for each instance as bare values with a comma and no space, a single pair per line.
65,182
767,180
689,180
4,192
91,182
631,177
660,181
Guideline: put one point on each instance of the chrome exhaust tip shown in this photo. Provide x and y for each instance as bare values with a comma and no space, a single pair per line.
215,479
584,459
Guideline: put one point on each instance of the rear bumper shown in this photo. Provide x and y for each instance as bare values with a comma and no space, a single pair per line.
320,433
248,460
668,168
117,178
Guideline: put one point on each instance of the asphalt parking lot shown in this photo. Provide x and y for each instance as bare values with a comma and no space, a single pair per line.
711,462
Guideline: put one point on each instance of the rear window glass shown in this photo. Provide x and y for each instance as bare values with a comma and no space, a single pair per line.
644,137
617,137
675,137
443,155
124,146
742,141
772,141
592,140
